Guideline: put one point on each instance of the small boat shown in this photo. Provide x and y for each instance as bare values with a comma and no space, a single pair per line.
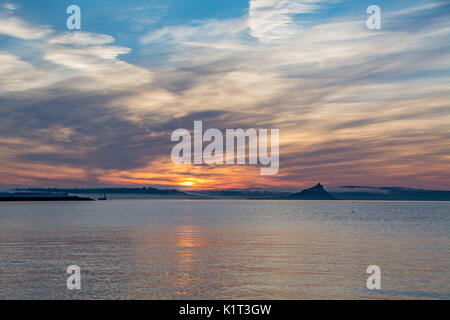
103,197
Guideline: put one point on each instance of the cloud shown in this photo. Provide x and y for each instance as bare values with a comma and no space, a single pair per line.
359,189
82,61
10,6
273,19
209,32
92,56
18,75
82,38
142,16
18,28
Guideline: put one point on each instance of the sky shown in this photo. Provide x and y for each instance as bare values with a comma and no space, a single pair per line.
97,106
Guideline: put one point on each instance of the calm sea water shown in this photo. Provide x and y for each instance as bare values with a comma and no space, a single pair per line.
158,249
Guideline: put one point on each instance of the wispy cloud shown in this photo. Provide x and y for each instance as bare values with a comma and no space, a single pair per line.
9,6
274,19
18,75
142,16
18,28
82,39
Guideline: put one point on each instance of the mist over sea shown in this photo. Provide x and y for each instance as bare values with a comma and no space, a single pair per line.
224,249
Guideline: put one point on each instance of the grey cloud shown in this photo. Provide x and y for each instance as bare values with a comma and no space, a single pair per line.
99,136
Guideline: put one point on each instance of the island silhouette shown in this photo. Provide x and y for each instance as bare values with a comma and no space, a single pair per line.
315,193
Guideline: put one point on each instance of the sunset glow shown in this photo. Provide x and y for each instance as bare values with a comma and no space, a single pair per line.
96,107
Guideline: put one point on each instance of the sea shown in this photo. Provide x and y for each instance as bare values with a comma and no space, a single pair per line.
224,249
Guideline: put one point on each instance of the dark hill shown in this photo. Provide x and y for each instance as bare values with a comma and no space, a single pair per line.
315,193
390,193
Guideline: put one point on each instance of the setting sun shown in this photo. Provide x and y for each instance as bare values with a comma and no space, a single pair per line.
187,183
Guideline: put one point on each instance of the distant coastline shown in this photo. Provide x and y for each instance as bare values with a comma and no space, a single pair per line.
40,196
318,192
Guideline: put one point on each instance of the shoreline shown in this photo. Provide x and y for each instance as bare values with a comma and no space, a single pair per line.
19,199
